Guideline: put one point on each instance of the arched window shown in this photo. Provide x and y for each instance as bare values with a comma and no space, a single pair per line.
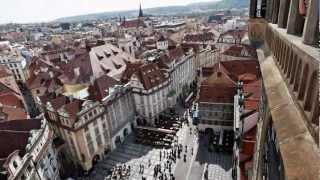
15,164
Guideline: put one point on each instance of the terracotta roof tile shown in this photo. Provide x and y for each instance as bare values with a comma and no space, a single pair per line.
100,88
150,75
133,24
4,71
217,94
14,136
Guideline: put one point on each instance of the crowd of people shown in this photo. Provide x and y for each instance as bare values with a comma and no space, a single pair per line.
120,172
171,150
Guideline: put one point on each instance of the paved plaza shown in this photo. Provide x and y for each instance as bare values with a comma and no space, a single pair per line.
133,155
219,164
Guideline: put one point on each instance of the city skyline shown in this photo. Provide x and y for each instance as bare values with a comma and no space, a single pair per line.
19,11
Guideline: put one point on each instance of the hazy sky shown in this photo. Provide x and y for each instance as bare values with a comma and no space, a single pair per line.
45,10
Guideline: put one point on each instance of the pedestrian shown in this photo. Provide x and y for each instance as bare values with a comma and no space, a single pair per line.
149,163
192,151
160,155
142,169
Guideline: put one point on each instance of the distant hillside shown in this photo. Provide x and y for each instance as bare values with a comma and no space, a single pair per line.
169,10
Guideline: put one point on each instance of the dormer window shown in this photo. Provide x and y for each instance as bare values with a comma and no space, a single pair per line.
15,164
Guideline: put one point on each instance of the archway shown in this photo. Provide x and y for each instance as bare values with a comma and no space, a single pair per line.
125,132
118,141
95,159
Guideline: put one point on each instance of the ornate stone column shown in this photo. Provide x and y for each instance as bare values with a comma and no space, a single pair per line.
275,11
295,20
269,10
283,13
253,8
311,29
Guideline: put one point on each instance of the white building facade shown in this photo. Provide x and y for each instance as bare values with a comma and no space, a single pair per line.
39,161
16,63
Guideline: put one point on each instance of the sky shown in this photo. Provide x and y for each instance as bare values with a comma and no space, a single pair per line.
22,11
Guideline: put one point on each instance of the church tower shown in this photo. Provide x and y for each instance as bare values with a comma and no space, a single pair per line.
140,12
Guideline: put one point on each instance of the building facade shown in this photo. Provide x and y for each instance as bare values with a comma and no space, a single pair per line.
30,152
16,63
150,88
120,110
92,128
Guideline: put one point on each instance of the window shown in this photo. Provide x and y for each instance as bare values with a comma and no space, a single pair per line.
99,140
23,177
15,165
97,131
90,114
105,134
29,169
91,148
88,137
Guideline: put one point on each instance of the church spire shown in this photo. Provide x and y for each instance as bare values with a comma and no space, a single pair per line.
140,11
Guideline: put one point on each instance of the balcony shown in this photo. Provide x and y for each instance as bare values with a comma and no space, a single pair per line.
289,59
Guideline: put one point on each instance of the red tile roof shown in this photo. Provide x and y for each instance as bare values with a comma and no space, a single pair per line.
85,70
207,36
176,53
14,113
100,88
130,69
73,108
236,33
11,99
150,75
217,94
4,71
59,101
14,136
133,23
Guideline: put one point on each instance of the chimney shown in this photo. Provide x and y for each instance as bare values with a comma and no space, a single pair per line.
51,74
76,71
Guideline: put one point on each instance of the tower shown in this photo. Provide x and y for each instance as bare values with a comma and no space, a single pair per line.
140,12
